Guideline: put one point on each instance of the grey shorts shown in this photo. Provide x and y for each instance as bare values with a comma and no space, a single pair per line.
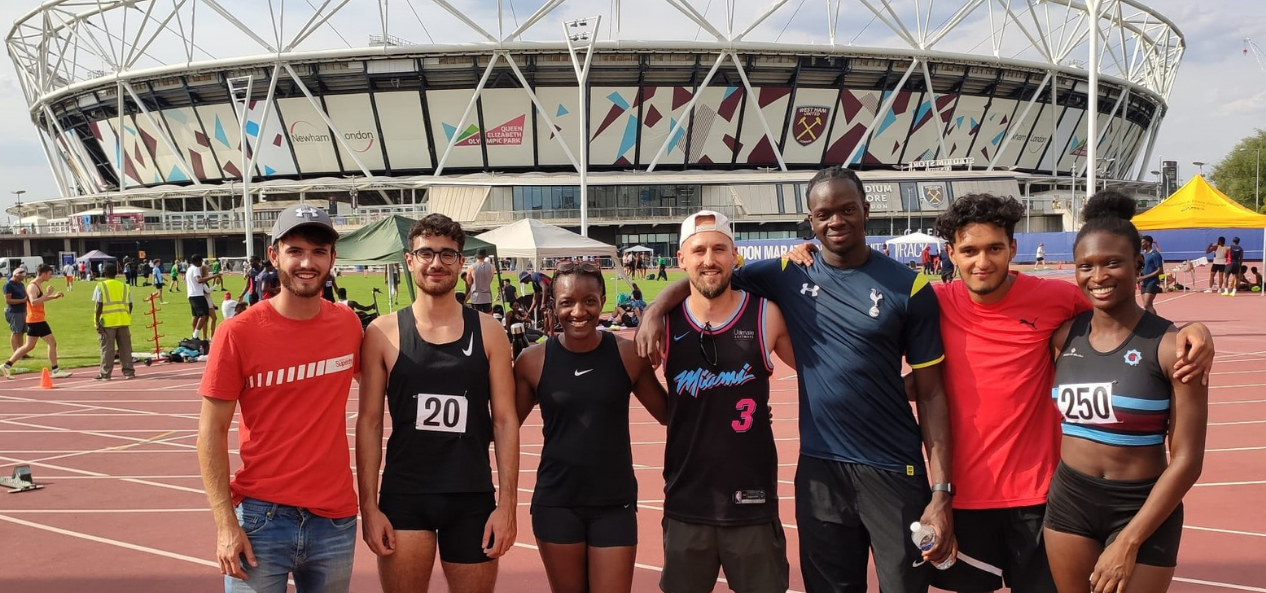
754,557
17,321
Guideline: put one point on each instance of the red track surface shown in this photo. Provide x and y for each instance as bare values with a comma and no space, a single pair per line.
123,509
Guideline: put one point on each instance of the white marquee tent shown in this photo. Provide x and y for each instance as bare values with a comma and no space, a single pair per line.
535,241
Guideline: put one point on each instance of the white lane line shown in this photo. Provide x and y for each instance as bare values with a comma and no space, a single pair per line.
1242,401
1220,585
1252,483
99,474
1234,449
112,542
1230,531
1238,422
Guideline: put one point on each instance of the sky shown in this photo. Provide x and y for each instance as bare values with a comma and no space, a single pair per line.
1219,97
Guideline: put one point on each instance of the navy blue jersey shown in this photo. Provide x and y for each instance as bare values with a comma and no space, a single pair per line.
849,330
1152,261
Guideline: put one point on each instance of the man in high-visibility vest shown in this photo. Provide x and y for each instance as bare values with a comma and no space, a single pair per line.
113,322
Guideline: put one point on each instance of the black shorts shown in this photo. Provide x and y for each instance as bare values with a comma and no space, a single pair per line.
843,511
482,307
1098,509
1009,540
1151,286
1218,268
1041,259
199,307
458,520
17,321
38,329
607,526
754,557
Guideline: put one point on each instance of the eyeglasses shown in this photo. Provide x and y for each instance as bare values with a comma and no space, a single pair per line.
570,267
426,256
708,341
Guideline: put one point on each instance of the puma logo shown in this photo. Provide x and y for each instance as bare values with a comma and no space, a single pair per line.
1032,324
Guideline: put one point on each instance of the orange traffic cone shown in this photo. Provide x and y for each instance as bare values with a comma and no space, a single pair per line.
46,379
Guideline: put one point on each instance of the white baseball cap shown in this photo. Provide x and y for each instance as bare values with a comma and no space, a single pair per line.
692,225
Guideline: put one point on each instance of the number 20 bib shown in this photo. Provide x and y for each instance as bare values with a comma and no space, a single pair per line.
1086,403
441,413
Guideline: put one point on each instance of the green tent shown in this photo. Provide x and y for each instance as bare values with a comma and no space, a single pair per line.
384,242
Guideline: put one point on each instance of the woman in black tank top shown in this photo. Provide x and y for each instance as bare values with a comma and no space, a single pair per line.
1114,514
585,500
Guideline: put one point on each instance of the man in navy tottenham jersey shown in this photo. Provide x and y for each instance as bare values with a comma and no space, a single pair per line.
861,478
720,463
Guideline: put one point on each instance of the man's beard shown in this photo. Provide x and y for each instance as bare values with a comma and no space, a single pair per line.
710,292
433,288
289,283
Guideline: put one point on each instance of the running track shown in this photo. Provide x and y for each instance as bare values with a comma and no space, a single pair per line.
124,510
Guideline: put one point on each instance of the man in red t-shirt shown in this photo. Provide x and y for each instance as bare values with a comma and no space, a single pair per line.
290,511
996,325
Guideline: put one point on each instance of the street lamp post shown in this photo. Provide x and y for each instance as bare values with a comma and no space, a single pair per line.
1201,165
19,193
1158,186
583,33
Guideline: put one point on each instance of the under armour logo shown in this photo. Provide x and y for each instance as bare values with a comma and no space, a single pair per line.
875,297
813,292
307,212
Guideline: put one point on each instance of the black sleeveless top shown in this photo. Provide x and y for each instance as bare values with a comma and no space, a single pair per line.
441,422
1121,397
720,464
584,398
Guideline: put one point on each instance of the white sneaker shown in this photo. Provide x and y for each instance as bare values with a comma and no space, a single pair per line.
60,374
7,370
1233,291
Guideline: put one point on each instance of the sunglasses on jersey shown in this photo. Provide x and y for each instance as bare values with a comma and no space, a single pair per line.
708,345
571,267
426,256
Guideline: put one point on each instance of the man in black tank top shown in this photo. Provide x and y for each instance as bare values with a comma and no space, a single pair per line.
446,376
584,505
720,464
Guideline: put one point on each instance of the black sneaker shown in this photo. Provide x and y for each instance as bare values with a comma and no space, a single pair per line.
101,378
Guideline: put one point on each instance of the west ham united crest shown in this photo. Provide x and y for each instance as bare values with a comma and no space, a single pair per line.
810,123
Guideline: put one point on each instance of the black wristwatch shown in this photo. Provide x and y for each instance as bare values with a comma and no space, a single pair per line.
945,487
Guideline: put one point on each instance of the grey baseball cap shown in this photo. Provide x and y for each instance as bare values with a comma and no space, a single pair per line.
302,215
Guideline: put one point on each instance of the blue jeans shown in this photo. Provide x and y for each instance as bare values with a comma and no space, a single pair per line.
317,550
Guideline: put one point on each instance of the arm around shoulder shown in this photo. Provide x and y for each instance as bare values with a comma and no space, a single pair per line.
646,386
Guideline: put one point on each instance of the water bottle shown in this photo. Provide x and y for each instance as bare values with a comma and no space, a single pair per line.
518,338
924,538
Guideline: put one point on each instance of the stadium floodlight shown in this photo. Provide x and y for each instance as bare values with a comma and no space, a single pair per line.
240,92
581,34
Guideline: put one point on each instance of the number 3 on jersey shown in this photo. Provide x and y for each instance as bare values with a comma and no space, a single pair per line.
441,413
1086,403
746,407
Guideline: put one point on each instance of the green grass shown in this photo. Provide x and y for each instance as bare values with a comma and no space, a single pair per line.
71,317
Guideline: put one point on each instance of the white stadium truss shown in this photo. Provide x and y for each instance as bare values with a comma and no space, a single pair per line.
144,97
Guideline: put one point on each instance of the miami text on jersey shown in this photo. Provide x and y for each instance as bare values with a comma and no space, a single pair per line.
702,379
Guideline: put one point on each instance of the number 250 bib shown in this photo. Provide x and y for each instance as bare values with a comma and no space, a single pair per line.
441,413
1086,403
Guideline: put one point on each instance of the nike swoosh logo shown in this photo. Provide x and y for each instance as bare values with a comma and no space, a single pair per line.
678,338
580,372
469,347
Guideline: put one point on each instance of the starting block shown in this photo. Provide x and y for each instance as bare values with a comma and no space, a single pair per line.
21,480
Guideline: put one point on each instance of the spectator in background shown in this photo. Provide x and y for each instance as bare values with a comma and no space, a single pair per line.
68,271
36,324
15,307
479,282
947,267
925,258
508,292
1041,257
113,315
228,307
267,282
663,268
158,280
1153,267
1235,259
1254,279
250,295
1217,271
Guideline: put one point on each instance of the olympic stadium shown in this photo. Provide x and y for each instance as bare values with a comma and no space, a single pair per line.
150,111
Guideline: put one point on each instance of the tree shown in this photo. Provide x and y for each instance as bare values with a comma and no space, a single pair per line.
1236,174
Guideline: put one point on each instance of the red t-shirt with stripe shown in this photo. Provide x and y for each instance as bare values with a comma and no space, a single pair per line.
998,372
291,380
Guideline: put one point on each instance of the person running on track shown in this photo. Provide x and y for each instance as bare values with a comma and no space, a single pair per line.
584,506
1114,517
37,327
445,373
861,478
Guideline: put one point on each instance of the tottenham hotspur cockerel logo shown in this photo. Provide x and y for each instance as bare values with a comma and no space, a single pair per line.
875,297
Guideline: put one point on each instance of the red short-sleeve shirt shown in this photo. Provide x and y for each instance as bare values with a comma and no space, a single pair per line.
998,372
291,380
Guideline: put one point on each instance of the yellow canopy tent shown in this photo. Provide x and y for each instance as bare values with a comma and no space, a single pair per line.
1199,205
